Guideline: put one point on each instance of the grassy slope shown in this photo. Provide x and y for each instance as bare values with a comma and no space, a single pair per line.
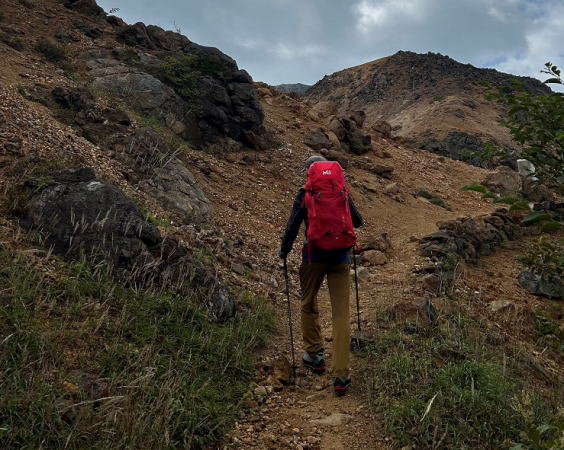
478,390
88,363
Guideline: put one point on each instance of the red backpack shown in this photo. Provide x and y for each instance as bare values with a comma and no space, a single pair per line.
327,202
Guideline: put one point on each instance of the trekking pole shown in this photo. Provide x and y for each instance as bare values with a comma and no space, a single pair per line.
357,298
286,278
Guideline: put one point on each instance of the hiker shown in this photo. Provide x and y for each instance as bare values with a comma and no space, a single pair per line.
326,254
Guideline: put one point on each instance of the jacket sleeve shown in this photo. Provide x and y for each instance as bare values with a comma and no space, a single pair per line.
355,215
297,216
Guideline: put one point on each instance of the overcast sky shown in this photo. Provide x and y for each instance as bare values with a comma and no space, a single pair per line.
290,41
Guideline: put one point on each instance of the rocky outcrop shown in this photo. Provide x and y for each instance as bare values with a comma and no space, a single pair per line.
197,92
87,7
161,174
83,217
298,88
348,130
457,145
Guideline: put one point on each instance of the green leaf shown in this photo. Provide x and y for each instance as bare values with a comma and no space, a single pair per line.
553,81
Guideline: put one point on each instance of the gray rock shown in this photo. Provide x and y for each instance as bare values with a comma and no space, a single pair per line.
164,176
82,217
501,305
375,257
149,96
391,189
551,287
334,420
317,139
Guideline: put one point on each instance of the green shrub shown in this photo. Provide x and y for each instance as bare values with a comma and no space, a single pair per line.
535,121
433,198
89,363
179,71
50,50
475,187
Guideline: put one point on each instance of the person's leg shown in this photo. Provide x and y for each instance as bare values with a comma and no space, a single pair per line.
338,280
311,277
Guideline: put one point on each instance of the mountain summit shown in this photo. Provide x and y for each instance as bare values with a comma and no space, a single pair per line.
430,99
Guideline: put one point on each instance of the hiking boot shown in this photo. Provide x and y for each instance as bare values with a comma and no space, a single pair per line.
341,385
315,362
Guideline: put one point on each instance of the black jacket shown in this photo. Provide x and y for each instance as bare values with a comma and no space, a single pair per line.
299,215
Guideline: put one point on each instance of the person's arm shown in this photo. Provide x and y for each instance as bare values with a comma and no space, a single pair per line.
355,215
297,216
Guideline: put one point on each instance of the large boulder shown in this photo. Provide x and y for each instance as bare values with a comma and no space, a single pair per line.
83,217
79,213
322,110
504,181
317,139
162,175
136,36
552,287
383,129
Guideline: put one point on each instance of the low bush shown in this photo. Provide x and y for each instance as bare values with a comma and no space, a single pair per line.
89,363
51,51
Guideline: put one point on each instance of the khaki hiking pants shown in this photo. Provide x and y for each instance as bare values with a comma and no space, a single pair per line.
338,280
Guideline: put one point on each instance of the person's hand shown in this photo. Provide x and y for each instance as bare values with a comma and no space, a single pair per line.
281,253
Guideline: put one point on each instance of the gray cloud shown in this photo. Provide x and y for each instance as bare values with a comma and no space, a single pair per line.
285,41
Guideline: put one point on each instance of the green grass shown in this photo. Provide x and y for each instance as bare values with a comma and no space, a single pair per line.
433,198
480,401
164,375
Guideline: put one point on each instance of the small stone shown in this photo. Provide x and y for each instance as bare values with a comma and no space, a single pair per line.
319,387
375,258
333,420
260,391
501,305
391,189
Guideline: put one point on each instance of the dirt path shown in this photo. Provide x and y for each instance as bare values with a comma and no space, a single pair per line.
289,418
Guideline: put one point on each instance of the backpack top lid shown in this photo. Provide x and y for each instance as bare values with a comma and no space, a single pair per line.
325,175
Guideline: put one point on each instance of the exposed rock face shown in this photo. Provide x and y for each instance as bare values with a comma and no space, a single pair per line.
82,215
456,146
213,102
162,175
383,129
